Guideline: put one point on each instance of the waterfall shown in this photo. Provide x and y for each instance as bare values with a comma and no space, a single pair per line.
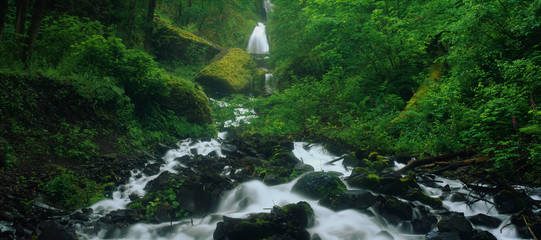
258,41
270,83
268,7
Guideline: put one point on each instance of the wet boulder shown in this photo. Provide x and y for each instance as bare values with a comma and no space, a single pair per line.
395,210
301,168
350,199
416,194
152,169
387,183
286,158
508,202
457,223
53,230
317,185
287,222
485,220
181,194
423,224
442,236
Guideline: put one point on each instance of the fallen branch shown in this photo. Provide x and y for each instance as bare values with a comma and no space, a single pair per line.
335,160
525,222
440,158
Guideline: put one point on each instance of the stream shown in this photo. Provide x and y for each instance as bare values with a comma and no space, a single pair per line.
255,197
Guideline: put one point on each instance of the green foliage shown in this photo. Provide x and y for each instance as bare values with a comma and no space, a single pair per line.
72,191
72,142
59,34
134,70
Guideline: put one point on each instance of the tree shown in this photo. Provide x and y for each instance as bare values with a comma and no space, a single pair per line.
37,15
4,4
149,23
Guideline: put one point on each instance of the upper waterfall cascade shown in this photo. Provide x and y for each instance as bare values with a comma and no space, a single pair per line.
258,43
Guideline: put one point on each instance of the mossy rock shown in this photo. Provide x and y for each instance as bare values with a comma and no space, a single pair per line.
385,184
317,185
231,71
188,100
174,44
419,195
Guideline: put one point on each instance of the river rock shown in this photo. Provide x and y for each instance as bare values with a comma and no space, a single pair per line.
394,210
455,222
508,202
416,194
286,159
287,222
317,185
423,224
301,168
389,183
442,236
152,169
485,221
229,148
356,199
52,230
195,193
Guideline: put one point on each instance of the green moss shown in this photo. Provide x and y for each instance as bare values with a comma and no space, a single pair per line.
419,195
188,100
171,43
230,72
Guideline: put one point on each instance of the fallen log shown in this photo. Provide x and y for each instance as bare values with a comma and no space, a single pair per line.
455,165
444,157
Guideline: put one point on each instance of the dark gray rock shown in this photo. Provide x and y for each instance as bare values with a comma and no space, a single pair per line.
228,148
317,185
423,224
52,230
508,202
287,222
354,199
455,222
442,236
485,221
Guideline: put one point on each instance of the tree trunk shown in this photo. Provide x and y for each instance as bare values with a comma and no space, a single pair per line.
35,22
131,20
149,23
4,4
20,20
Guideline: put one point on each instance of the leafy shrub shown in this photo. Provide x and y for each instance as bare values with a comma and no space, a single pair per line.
72,191
72,142
59,34
133,70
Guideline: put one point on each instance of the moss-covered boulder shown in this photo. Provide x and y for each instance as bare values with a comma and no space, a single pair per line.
287,222
174,44
416,194
387,183
317,185
231,71
188,100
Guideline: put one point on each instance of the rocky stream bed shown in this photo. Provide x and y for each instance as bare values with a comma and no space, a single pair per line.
248,187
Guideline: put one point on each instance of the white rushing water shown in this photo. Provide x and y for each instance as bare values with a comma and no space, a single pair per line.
256,197
270,83
258,43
